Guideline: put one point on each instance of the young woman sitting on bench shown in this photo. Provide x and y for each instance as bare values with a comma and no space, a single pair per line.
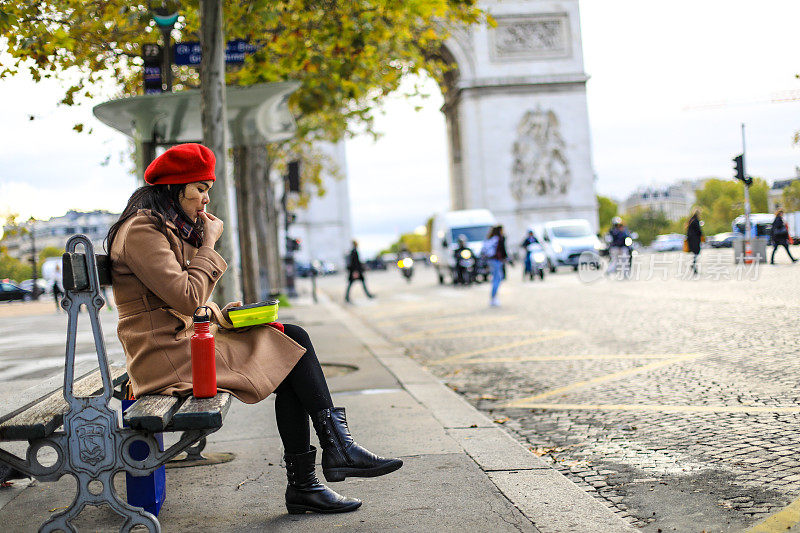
163,267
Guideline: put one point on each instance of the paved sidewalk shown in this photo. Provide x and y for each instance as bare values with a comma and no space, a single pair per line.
462,471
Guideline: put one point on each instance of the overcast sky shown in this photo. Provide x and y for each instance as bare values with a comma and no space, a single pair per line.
655,67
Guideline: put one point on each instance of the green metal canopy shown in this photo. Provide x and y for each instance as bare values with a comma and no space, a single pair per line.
257,114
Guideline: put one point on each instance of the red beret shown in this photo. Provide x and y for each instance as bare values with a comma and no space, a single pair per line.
184,163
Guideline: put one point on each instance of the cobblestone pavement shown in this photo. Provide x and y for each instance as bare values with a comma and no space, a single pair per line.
671,398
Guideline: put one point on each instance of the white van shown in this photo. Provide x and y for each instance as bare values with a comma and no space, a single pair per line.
565,240
474,224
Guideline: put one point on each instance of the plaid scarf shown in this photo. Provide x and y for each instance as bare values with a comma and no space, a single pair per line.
187,231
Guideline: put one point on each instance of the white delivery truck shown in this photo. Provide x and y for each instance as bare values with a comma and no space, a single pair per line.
473,224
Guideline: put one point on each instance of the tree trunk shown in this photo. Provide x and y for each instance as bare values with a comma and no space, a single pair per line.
266,217
242,170
213,113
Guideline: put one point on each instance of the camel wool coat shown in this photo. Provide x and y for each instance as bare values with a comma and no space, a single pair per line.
158,281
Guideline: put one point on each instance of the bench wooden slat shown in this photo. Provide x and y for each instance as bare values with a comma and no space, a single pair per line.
201,413
13,404
152,413
45,415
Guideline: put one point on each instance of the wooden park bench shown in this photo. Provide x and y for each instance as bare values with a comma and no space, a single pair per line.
78,423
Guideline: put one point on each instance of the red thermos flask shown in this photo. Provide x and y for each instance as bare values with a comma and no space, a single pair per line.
204,368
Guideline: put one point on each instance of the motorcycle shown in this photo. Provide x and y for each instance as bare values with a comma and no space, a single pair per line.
537,260
465,267
406,266
624,260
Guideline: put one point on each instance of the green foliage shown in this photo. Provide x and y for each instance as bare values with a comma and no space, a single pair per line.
648,223
50,251
412,241
346,55
13,268
607,209
722,201
12,228
790,198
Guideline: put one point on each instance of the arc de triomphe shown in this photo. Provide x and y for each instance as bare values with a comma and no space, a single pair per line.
517,116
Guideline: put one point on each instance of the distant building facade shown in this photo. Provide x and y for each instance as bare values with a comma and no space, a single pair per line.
55,232
774,196
324,226
675,201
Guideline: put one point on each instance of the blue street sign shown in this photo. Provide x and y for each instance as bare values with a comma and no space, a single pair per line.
190,53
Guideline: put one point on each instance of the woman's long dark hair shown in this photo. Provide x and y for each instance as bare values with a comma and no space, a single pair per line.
158,199
496,231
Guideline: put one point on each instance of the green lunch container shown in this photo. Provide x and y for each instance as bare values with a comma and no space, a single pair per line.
254,314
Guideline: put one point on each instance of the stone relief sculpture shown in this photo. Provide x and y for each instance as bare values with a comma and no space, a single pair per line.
540,166
530,37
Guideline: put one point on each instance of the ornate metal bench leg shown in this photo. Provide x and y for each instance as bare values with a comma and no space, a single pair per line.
195,453
92,436
91,493
62,521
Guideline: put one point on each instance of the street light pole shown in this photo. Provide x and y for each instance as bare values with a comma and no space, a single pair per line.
746,198
35,288
165,22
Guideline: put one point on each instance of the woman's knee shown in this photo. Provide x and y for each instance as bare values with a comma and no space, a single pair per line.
297,334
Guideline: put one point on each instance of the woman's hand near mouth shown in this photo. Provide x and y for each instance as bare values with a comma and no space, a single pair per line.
212,228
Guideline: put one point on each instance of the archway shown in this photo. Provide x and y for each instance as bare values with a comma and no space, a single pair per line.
517,117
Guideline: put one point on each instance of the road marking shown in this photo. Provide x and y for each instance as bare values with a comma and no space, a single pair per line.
554,335
479,333
588,357
404,309
753,409
781,521
426,318
600,379
461,325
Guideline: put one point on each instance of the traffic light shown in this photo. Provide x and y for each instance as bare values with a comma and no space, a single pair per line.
292,245
739,167
293,176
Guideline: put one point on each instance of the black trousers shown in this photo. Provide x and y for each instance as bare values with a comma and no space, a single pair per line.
303,392
775,249
350,284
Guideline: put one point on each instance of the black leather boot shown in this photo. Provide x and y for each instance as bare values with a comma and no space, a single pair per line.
341,456
306,493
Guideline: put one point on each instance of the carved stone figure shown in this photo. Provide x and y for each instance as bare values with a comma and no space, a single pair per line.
530,37
540,167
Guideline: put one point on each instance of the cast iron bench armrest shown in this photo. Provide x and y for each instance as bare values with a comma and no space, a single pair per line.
41,417
75,275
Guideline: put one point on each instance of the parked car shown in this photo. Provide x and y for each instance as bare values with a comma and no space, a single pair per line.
378,262
669,242
9,292
302,269
328,268
722,240
42,286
